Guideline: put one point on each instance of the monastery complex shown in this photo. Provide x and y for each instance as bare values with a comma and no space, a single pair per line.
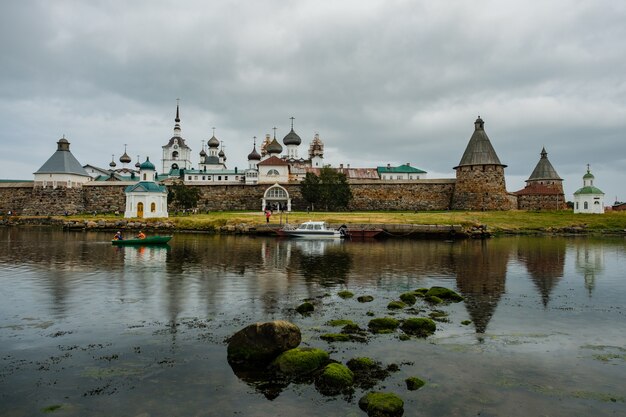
62,185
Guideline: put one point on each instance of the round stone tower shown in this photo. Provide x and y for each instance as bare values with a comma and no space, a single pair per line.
480,181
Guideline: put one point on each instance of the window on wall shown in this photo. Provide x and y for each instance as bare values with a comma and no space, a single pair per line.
276,193
577,205
272,173
174,154
586,205
152,207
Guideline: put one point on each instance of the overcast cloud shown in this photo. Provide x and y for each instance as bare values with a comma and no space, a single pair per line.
381,81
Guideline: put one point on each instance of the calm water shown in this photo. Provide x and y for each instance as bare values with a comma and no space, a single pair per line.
104,331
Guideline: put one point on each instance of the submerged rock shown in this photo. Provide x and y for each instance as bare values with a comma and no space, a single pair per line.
396,305
383,325
414,383
382,404
300,361
367,372
262,342
433,299
334,379
419,326
305,308
408,298
335,337
340,322
365,299
444,294
345,294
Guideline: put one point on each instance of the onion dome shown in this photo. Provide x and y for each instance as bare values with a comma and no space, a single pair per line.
125,159
292,138
221,154
147,165
254,155
274,147
112,164
137,164
213,142
202,153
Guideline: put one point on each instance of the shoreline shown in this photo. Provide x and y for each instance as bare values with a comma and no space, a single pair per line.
252,224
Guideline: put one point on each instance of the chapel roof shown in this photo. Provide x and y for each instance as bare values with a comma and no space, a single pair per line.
62,162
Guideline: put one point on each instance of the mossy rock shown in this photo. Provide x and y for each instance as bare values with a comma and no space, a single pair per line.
345,294
301,361
365,299
262,342
414,383
421,292
433,299
466,322
383,325
444,293
419,326
335,337
408,298
370,314
437,314
361,363
396,305
382,404
51,408
334,379
351,328
305,308
340,322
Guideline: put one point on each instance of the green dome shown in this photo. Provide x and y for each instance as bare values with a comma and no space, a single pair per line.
147,165
588,176
589,190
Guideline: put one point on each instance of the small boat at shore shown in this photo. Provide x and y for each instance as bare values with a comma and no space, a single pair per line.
150,240
312,230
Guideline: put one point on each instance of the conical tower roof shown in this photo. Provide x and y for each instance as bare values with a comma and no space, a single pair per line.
62,161
479,150
544,169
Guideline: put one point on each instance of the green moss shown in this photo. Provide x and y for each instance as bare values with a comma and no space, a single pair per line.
370,314
305,308
404,337
340,322
437,314
301,361
335,337
414,383
361,363
466,322
433,299
419,326
345,294
336,375
420,292
365,299
383,325
51,408
444,293
408,298
396,305
382,404
351,328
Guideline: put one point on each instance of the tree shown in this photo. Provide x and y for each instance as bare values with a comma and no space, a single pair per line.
329,191
183,196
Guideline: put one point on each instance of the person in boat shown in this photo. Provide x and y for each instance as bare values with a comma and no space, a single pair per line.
118,236
141,235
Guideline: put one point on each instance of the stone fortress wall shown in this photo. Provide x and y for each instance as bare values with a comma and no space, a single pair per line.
26,199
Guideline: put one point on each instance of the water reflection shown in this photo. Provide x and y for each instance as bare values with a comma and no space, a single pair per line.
545,262
589,263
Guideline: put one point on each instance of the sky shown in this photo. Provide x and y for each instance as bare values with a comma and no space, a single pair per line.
382,82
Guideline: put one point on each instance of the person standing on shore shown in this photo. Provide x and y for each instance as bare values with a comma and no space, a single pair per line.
268,214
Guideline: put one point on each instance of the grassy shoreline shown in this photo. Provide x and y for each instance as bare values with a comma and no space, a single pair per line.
498,222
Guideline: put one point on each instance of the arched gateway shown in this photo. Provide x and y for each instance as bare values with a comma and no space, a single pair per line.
275,197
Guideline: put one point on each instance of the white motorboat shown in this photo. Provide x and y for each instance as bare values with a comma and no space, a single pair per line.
310,229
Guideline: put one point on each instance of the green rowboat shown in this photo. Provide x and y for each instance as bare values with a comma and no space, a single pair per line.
150,240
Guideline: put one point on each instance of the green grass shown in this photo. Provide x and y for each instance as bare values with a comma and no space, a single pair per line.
496,221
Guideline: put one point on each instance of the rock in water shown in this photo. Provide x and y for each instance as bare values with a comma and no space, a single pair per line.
262,342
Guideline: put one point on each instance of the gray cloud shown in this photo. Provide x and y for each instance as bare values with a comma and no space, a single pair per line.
381,81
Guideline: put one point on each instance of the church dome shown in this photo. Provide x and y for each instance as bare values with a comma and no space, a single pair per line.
202,153
254,155
137,164
221,154
147,165
292,138
213,142
274,147
112,164
125,159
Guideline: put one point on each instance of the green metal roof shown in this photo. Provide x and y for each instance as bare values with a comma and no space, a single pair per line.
589,190
145,187
402,169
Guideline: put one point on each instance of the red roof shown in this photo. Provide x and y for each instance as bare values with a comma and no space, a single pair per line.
273,161
538,189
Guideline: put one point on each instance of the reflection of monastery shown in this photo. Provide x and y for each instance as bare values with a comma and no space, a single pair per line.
272,176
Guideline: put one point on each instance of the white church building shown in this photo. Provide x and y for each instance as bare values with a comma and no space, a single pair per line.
589,199
146,199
